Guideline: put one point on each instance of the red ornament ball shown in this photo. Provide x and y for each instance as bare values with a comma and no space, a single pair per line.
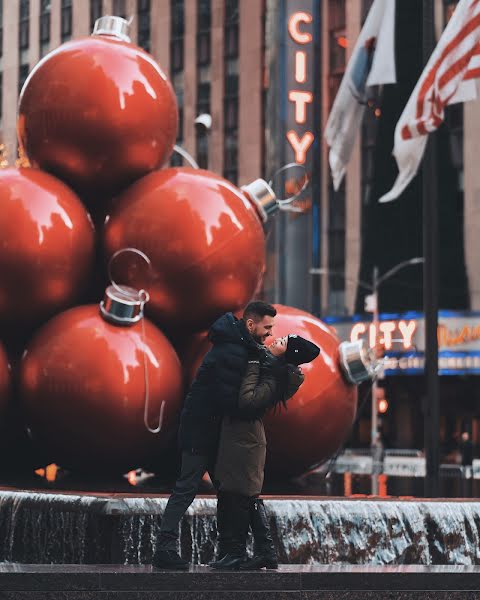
203,237
47,242
98,113
82,387
320,415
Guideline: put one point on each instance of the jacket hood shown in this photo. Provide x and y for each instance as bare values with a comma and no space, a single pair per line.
230,329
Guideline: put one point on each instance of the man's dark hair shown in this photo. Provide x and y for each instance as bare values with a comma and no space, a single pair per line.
258,310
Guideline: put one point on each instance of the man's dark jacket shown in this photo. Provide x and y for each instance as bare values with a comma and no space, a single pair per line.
215,390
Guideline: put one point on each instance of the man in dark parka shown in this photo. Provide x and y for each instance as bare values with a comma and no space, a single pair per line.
213,394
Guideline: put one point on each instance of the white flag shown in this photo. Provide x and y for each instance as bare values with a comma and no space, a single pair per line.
451,75
372,63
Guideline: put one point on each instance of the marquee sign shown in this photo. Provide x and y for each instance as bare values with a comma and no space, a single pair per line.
403,338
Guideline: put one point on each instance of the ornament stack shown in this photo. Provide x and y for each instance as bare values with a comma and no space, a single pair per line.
99,386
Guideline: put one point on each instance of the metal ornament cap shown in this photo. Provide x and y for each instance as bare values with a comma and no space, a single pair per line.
113,26
123,305
358,362
263,196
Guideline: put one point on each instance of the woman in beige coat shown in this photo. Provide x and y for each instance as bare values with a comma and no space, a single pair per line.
267,383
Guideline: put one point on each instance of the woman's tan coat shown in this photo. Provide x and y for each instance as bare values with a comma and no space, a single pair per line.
242,448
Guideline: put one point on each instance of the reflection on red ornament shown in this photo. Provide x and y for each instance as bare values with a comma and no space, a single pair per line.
98,113
203,237
322,412
82,388
47,241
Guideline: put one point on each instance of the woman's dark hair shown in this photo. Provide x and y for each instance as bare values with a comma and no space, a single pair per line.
258,310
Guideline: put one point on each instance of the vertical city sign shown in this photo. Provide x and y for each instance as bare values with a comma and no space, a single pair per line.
300,83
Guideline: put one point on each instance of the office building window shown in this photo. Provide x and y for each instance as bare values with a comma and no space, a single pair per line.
337,47
204,19
231,86
204,24
143,14
336,200
44,27
231,29
23,31
177,82
177,20
22,76
1,28
336,250
177,31
95,12
119,8
66,20
454,115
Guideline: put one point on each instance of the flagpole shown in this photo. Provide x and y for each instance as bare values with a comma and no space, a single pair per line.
430,284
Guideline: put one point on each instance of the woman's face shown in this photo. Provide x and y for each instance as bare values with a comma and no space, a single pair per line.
279,346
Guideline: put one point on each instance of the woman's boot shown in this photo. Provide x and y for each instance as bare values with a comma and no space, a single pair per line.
238,523
265,554
224,535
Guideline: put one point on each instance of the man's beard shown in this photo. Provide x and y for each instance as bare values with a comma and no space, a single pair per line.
258,339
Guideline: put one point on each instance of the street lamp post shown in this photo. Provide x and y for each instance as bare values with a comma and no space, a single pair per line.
375,442
377,280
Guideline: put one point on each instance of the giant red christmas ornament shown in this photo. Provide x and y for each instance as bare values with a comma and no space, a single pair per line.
204,239
91,384
98,112
47,247
322,412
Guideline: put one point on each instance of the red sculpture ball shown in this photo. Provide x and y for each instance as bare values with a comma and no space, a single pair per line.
47,242
320,415
82,387
203,237
98,113
5,383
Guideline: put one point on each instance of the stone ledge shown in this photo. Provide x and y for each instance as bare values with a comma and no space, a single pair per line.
85,581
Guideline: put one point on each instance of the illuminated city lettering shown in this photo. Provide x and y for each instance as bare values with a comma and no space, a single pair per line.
300,145
387,329
300,37
301,98
407,330
300,67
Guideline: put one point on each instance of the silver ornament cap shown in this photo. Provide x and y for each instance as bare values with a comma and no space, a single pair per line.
358,362
113,26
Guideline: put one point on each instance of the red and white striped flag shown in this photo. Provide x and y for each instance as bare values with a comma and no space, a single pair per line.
451,75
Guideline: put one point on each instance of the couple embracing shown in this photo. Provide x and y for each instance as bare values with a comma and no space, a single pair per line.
221,432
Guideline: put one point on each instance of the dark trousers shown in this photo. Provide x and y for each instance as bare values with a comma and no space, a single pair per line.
194,467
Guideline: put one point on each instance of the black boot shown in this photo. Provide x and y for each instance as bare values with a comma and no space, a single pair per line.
224,534
166,556
264,553
239,521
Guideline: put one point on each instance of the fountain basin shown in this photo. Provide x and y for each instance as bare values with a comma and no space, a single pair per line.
84,528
